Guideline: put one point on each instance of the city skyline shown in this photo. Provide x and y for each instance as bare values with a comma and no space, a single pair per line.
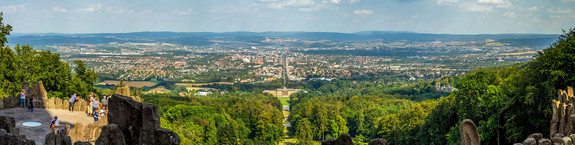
346,16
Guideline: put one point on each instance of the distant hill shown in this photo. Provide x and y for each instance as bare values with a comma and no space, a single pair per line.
203,38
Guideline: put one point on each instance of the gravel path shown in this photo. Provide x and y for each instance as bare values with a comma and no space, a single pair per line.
43,116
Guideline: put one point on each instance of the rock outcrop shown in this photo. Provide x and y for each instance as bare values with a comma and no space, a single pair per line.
37,89
469,134
11,101
530,141
57,139
563,118
86,133
124,91
343,139
378,141
8,124
9,134
138,122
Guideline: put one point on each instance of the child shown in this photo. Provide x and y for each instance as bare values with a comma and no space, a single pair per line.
31,107
96,116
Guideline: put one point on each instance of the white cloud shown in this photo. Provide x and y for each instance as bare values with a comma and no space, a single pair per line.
490,1
275,6
476,5
558,11
301,5
12,8
183,12
534,8
363,12
446,2
58,9
91,9
354,1
510,14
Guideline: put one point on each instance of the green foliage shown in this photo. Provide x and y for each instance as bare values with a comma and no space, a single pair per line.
245,118
23,63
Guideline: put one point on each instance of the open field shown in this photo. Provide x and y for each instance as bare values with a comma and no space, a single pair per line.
137,84
200,88
160,89
519,53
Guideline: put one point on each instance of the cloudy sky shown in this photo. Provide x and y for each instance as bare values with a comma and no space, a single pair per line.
427,16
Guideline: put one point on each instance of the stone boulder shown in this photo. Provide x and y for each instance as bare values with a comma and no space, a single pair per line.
567,141
124,91
1,104
517,144
111,135
559,135
57,139
57,103
536,136
343,139
378,141
11,101
8,124
82,143
544,141
49,103
77,132
81,105
556,141
469,134
13,139
37,89
139,122
530,141
328,142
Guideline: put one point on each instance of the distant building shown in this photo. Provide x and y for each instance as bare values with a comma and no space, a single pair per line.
282,92
440,88
203,93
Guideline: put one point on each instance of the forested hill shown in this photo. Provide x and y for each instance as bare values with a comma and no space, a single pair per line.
206,38
506,103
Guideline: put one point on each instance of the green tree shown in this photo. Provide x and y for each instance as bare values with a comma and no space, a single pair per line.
5,30
304,133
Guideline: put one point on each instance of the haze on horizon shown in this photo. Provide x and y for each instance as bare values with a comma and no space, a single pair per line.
424,16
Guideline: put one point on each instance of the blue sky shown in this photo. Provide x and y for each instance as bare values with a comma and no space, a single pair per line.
426,16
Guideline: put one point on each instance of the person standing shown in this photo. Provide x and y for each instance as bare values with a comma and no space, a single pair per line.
95,106
72,101
105,102
23,98
31,107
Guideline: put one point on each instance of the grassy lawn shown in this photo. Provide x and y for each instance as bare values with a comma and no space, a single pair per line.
284,100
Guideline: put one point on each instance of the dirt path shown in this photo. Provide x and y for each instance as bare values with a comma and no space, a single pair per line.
43,116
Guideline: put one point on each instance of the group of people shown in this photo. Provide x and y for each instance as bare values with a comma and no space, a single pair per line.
96,109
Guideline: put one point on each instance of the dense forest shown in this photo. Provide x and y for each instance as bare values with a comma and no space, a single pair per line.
506,103
24,63
231,118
